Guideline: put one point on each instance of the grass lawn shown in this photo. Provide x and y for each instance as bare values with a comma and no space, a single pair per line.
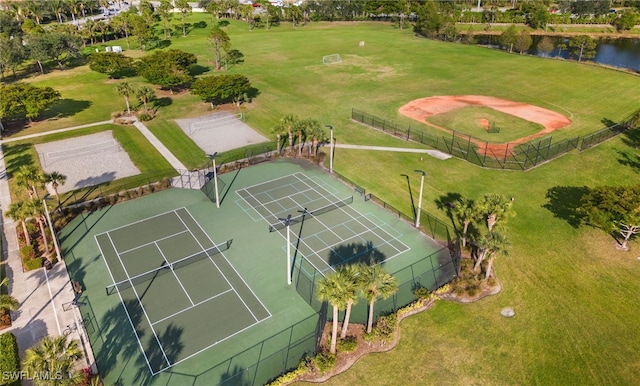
467,120
575,295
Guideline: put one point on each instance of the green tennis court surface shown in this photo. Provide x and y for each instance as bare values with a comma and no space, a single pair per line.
328,231
170,275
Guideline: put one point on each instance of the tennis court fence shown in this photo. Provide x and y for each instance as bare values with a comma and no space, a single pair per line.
496,155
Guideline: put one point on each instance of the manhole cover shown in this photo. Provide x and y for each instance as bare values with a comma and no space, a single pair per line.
507,312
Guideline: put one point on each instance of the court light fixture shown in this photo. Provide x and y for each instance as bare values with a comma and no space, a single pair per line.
420,197
287,222
215,177
330,148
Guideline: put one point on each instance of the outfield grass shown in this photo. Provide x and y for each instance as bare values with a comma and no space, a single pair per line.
467,120
574,294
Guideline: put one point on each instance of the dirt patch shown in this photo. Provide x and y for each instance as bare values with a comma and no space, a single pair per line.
484,122
423,108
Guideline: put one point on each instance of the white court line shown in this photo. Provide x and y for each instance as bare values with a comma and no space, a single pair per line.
350,215
139,221
265,182
193,306
151,242
174,274
232,267
144,354
141,305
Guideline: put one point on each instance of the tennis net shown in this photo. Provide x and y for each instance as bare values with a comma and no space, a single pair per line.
167,267
322,210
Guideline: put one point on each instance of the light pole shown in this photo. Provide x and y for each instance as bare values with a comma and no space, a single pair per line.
53,233
287,222
419,197
330,149
215,177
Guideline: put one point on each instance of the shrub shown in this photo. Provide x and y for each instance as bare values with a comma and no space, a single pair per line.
324,361
348,344
34,263
27,252
291,376
384,329
9,359
421,292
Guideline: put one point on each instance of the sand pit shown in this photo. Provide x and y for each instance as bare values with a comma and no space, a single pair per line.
87,160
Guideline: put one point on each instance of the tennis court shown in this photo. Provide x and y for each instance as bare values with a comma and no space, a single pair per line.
173,280
327,231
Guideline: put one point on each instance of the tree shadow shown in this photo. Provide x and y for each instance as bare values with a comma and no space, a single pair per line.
236,376
564,202
223,23
252,93
64,108
163,44
630,160
447,203
172,346
196,69
16,155
353,253
162,102
201,24
95,180
632,138
119,339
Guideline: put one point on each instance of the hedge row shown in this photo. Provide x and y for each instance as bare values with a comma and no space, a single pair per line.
9,359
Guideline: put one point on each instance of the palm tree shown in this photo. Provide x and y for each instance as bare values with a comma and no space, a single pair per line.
331,289
53,355
351,273
376,284
30,177
466,211
495,207
125,89
185,9
490,244
56,179
17,212
7,303
145,95
36,209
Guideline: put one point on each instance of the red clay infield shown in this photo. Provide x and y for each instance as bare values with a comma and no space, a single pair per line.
421,109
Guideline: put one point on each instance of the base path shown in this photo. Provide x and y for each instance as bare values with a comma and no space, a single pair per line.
434,153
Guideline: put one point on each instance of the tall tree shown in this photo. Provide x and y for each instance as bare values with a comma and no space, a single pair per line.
489,245
614,209
35,208
56,179
165,11
31,178
12,54
221,42
53,355
185,10
523,41
167,68
494,208
377,284
352,284
145,94
331,289
17,212
466,211
583,47
508,38
126,90
221,89
545,46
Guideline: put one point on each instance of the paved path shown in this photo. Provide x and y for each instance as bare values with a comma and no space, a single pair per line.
45,296
7,140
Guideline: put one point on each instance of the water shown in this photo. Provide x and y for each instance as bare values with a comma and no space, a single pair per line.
622,52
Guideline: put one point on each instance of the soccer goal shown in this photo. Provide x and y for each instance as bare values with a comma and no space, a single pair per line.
51,157
331,59
194,127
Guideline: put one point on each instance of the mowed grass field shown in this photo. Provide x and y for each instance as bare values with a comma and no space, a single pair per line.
575,296
469,121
